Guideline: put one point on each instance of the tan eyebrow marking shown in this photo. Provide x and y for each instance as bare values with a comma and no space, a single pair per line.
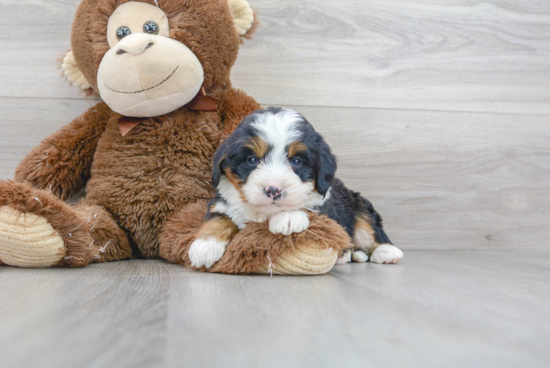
258,146
296,147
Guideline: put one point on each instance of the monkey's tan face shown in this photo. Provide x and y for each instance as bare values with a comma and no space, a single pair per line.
145,73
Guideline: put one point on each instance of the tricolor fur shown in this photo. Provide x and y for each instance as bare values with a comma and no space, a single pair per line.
274,167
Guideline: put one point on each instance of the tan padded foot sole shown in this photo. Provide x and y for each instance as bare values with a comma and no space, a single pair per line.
309,261
28,240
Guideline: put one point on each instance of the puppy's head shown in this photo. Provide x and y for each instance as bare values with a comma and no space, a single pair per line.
275,161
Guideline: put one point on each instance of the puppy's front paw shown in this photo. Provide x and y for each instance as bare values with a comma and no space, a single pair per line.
386,253
287,223
206,251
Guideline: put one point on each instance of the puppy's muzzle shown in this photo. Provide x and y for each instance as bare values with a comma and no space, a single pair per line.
274,193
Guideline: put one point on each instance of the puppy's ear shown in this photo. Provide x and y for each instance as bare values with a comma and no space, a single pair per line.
326,169
217,164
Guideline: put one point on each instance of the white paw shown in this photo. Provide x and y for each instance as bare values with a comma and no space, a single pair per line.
386,253
344,258
287,223
207,251
359,256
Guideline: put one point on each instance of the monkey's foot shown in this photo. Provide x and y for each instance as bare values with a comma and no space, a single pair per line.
38,230
28,240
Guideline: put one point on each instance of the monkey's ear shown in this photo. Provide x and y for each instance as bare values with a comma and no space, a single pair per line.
243,17
73,73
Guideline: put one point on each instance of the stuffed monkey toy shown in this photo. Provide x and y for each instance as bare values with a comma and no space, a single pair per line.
162,69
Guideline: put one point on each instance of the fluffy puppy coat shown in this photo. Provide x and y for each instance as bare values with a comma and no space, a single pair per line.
275,167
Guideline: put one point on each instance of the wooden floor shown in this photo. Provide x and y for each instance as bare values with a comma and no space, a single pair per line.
439,112
436,309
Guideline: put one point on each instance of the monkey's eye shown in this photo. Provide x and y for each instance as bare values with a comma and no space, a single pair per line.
296,162
123,32
151,28
253,160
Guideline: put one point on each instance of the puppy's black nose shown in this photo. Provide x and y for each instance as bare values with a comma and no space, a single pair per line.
276,193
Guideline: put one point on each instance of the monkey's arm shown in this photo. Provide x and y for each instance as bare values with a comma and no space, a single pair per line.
234,107
63,160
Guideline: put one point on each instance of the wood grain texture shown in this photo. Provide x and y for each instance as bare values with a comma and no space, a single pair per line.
437,55
441,180
435,309
38,34
25,122
466,55
446,180
115,315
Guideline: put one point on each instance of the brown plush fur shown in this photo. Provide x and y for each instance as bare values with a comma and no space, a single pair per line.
83,243
62,162
159,169
108,237
252,248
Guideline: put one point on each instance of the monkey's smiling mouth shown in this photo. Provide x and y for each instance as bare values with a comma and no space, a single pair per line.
146,89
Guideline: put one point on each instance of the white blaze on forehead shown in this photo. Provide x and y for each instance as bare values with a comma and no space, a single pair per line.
279,130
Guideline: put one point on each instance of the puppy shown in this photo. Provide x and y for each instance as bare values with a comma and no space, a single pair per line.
274,167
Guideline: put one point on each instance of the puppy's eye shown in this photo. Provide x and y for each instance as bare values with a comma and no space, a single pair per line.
253,161
296,162
123,32
151,28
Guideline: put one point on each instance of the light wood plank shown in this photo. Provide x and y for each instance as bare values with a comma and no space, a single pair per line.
461,55
452,55
100,316
441,180
435,309
26,122
351,320
37,34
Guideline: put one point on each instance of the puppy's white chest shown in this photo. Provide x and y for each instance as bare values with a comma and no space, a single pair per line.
240,214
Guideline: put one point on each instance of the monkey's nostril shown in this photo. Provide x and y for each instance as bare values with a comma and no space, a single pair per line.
120,52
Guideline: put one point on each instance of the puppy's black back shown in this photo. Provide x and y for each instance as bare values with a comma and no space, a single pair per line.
346,206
